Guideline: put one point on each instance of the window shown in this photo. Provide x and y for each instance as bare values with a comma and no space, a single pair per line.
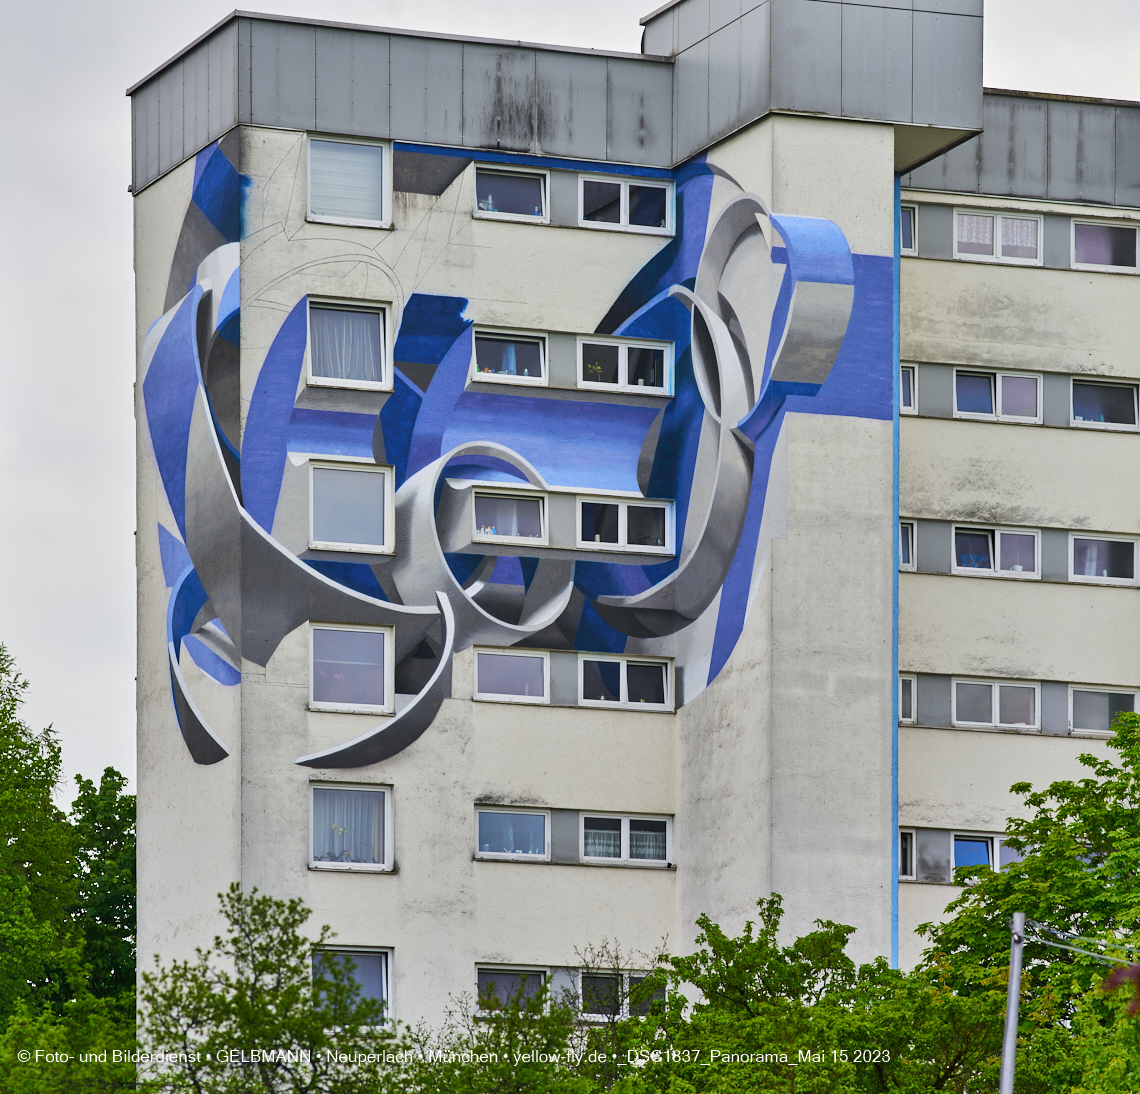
908,400
908,233
971,850
511,677
626,682
505,834
510,195
350,828
907,850
1098,246
369,968
998,237
351,669
907,545
1106,560
348,182
995,552
347,346
1006,396
350,508
616,994
908,688
613,525
506,358
611,365
509,518
626,841
630,205
1094,710
1104,406
991,703
495,988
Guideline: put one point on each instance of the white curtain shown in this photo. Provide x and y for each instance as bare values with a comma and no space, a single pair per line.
646,845
348,825
346,180
975,234
345,344
601,842
1018,238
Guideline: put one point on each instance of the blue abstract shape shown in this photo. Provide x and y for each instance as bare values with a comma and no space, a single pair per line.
439,402
397,421
610,579
429,326
462,566
210,663
229,310
265,447
217,191
483,467
174,556
331,432
357,576
817,250
595,634
507,571
187,596
529,567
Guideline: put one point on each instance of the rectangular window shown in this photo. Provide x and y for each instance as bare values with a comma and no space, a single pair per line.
509,518
507,676
511,195
350,508
505,358
628,841
1098,246
369,968
908,402
495,988
644,205
645,527
908,234
907,545
613,994
994,703
907,696
612,365
351,669
996,552
624,682
347,346
348,182
906,854
351,828
1094,710
504,834
998,237
1004,396
1106,560
971,850
1104,406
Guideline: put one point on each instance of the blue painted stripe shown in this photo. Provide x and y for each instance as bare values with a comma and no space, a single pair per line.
331,432
895,356
483,155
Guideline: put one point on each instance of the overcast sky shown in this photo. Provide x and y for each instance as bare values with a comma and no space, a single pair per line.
66,429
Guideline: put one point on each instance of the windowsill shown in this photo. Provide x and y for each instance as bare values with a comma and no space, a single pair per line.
352,868
590,865
627,229
518,381
1104,427
617,389
1037,580
511,700
483,856
915,881
349,385
1083,734
992,575
351,548
986,260
384,225
510,218
371,712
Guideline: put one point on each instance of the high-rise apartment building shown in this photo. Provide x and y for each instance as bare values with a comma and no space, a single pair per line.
526,468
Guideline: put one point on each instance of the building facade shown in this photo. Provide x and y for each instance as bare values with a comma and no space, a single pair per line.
526,468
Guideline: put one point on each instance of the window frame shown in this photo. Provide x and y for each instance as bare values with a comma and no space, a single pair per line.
996,531
624,990
912,250
913,833
625,860
998,416
387,865
363,466
384,309
669,705
994,842
511,651
497,856
1105,381
912,565
389,705
623,503
504,335
516,970
913,719
510,169
1099,734
995,700
386,182
520,491
369,951
624,346
1097,267
1087,579
623,224
997,258
913,408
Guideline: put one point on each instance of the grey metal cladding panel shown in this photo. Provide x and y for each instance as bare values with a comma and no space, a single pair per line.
1014,158
957,170
427,90
755,62
935,548
935,240
1055,541
876,63
351,82
1127,156
1054,708
949,7
660,38
245,71
196,90
947,70
724,75
723,12
691,100
1081,142
571,91
807,66
145,108
1056,251
498,97
932,855
933,700
283,91
170,117
640,112
222,59
692,23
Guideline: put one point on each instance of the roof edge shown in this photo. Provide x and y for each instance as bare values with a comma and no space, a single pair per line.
1059,98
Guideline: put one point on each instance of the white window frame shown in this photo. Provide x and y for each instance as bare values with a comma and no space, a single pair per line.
913,833
623,504
623,224
995,684
1101,734
624,346
515,970
625,860
1115,427
624,703
496,856
996,531
913,564
386,168
384,867
389,705
913,249
913,719
389,979
510,169
997,258
913,408
1097,267
384,310
995,853
506,335
509,651
1087,579
365,467
998,415
624,991
519,491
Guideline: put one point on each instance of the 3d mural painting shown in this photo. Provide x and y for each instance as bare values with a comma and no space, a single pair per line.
766,313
